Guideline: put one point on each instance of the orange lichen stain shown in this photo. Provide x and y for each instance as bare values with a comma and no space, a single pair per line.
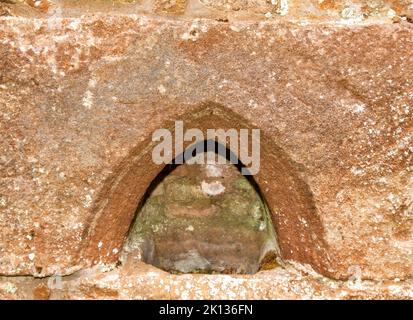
41,292
95,292
398,6
42,5
329,4
367,10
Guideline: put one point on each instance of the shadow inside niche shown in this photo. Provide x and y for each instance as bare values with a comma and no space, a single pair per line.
204,218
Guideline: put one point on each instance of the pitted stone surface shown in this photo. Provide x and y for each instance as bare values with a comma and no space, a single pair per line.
339,10
136,280
78,94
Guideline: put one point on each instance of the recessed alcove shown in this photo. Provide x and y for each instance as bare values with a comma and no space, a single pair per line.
291,208
204,218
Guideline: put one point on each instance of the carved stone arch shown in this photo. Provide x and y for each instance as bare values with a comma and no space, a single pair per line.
297,224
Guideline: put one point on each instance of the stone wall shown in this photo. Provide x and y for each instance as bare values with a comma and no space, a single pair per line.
84,85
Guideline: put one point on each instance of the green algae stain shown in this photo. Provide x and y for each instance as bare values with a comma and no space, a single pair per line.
183,229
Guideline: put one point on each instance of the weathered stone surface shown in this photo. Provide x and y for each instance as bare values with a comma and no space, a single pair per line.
337,10
203,219
137,280
81,95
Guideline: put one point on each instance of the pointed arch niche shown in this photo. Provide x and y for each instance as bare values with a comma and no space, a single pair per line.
296,222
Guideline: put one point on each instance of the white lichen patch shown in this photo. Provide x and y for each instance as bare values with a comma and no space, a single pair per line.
9,287
161,89
405,246
88,201
212,189
358,108
252,104
262,226
282,9
352,13
235,28
3,202
87,100
88,97
391,13
357,171
213,170
194,30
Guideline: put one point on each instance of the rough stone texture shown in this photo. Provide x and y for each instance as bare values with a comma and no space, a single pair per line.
136,280
331,91
203,219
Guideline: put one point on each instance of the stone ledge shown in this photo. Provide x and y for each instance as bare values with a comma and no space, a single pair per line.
80,96
140,281
349,12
